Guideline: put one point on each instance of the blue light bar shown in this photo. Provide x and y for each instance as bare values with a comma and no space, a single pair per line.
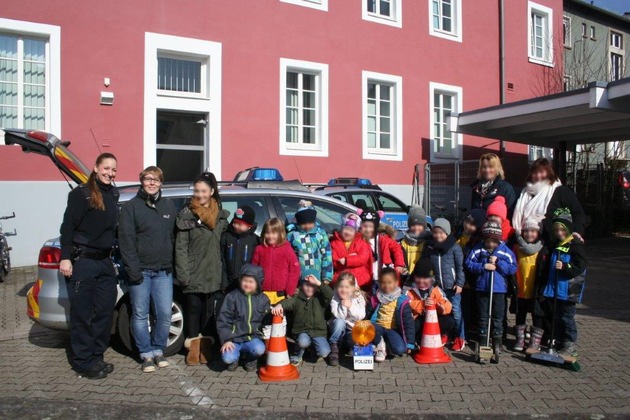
349,181
265,174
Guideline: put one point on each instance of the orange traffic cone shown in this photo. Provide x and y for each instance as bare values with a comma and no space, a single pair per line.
431,349
278,368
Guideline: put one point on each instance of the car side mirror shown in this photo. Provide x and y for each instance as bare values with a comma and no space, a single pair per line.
408,209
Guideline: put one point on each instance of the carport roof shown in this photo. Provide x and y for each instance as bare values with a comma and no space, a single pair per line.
597,113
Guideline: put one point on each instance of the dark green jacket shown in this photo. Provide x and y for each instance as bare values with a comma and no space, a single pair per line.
198,265
309,314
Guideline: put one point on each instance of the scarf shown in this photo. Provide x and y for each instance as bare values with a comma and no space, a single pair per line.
483,187
424,294
528,249
385,298
150,200
533,203
207,215
443,247
414,240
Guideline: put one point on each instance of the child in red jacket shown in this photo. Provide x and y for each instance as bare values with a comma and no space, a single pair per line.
386,252
351,252
497,212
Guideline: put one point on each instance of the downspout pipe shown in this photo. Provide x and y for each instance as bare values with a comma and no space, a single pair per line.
501,65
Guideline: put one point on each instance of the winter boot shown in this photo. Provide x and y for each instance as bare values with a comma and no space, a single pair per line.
519,344
568,349
536,337
193,347
205,349
333,357
381,351
497,341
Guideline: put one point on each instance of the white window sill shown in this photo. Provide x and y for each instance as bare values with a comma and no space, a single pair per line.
321,5
538,61
303,151
187,95
375,17
451,36
376,155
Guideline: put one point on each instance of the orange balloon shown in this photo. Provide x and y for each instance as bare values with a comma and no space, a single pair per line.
363,333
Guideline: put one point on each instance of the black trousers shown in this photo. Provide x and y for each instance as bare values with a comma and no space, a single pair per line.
498,313
200,309
446,322
92,291
527,306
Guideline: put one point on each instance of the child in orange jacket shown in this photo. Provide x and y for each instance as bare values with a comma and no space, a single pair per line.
352,253
424,294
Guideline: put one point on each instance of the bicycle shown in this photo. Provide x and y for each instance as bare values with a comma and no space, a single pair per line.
5,249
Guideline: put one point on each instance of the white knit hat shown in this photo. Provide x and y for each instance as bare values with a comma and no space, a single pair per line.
531,223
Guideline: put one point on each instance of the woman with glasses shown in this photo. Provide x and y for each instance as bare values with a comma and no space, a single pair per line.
146,236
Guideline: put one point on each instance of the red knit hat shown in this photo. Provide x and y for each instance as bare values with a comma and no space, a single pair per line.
498,208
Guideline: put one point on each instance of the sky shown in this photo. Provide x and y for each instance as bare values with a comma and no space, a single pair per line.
619,6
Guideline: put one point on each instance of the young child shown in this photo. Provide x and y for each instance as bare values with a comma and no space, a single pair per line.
567,267
238,244
448,258
310,243
386,252
347,307
415,237
529,251
352,253
238,323
309,322
425,294
392,317
492,262
497,212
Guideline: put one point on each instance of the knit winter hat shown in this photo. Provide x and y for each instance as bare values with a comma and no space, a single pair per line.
351,220
371,216
245,214
443,224
424,268
531,224
492,230
562,216
498,208
476,217
416,216
305,213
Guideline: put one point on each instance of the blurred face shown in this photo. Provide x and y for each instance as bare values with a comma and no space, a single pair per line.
423,283
416,229
348,234
151,184
491,244
308,289
240,227
345,289
488,171
439,235
388,283
248,285
496,219
530,235
540,175
202,193
367,229
560,232
106,171
469,228
271,237
305,227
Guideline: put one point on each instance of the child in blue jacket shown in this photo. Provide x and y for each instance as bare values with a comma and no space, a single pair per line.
491,258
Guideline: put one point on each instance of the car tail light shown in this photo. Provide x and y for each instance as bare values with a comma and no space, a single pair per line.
623,181
49,257
39,135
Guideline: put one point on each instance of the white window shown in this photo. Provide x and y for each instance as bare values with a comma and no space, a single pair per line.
616,66
584,26
566,32
540,34
566,83
445,19
29,76
593,33
303,108
445,100
537,152
616,40
182,75
388,12
313,4
382,116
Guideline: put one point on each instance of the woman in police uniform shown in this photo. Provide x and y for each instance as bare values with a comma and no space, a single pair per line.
87,237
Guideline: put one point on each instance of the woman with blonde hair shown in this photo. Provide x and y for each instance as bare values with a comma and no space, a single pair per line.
491,183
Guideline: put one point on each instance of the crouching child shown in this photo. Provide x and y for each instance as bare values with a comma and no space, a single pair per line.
347,307
240,318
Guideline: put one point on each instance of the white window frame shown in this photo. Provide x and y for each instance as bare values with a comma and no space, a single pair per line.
592,33
616,50
622,69
456,34
155,100
547,152
53,68
320,148
584,29
458,138
395,20
396,82
567,40
620,36
547,14
312,4
205,75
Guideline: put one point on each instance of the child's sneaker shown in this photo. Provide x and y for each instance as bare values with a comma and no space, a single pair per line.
148,366
232,366
444,340
568,349
251,366
381,352
458,344
296,361
333,357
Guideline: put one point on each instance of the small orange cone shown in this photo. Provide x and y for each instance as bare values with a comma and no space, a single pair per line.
431,349
278,367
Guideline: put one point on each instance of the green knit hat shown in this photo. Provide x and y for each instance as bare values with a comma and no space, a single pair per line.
562,217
